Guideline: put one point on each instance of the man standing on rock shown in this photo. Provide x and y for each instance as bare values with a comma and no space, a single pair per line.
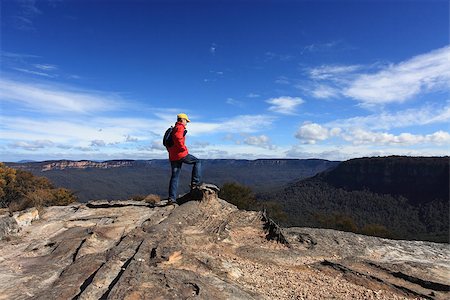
179,154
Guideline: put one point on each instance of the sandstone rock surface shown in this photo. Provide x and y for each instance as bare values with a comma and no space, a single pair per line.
208,249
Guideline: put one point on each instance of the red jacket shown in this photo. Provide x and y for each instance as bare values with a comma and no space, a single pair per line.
179,149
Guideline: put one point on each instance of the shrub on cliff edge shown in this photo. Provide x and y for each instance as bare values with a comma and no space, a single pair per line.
20,189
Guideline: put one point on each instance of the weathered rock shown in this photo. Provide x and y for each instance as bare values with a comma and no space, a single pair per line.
208,249
24,218
8,226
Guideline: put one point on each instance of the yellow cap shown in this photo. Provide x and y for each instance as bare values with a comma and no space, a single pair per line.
183,116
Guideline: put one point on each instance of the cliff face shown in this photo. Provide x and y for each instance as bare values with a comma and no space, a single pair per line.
70,164
84,164
207,249
396,197
419,179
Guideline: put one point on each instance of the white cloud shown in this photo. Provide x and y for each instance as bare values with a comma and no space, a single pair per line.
247,123
98,143
411,117
331,71
310,133
75,132
157,145
235,102
53,98
259,141
319,47
379,84
322,91
282,80
33,72
400,82
239,151
285,105
360,136
131,139
199,145
82,133
253,95
45,67
238,124
32,145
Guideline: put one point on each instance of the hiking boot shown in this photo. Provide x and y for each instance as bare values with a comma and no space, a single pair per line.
195,185
171,202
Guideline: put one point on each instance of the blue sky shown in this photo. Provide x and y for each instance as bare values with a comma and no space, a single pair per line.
258,79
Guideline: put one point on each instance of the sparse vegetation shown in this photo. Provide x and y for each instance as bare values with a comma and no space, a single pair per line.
376,230
274,211
138,197
244,198
20,189
337,221
152,198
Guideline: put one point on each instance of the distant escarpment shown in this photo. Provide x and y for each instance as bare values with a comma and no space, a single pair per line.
397,197
419,179
205,248
121,179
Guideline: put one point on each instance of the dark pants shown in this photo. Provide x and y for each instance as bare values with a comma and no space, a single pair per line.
176,169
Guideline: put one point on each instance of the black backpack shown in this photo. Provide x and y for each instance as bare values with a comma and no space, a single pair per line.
168,140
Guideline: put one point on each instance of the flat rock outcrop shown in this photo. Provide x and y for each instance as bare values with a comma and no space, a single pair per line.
206,248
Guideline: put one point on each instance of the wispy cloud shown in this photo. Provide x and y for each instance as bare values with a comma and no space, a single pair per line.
320,47
282,80
53,98
32,64
394,83
253,95
275,56
213,48
322,91
45,67
237,124
32,145
39,73
17,55
90,133
285,105
400,82
26,13
332,71
429,114
235,102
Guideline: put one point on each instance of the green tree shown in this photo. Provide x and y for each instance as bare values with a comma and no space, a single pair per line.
239,195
